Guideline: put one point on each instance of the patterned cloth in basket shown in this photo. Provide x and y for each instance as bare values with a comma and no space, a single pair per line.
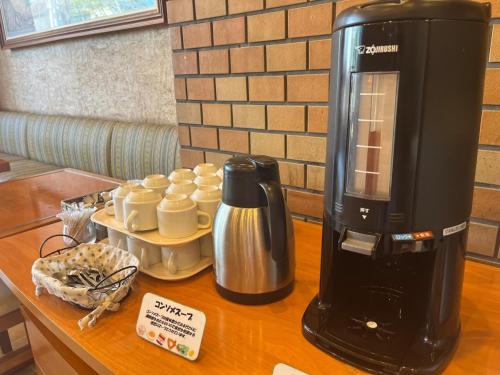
107,257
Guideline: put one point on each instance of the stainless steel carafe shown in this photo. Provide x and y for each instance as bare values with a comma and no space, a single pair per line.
254,259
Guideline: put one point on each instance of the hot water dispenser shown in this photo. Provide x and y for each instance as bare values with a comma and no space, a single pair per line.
406,91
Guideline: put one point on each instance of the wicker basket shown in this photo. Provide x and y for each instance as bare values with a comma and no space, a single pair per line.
120,267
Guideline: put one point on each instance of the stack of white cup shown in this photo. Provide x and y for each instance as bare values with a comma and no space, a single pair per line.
178,206
202,186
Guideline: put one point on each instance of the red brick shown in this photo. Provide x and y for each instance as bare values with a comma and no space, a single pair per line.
247,59
344,4
231,88
234,140
217,114
200,88
306,148
185,63
315,177
210,8
268,144
490,128
184,138
488,167
266,88
191,158
482,238
286,118
267,26
279,3
286,56
230,31
311,20
249,116
292,174
204,137
242,6
307,204
492,87
495,44
189,113
320,53
180,11
197,35
307,88
180,88
317,119
175,37
217,158
485,204
214,61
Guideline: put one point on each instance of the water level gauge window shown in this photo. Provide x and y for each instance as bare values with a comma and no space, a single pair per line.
372,119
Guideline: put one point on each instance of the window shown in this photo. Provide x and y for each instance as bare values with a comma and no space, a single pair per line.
26,22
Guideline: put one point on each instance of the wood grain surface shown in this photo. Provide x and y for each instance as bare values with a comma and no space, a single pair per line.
34,201
238,339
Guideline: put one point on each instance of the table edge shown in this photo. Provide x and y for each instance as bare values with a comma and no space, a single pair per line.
54,328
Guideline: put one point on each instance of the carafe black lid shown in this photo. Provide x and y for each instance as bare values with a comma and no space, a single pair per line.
241,178
398,10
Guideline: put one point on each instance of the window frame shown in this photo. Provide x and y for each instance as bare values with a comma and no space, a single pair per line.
116,23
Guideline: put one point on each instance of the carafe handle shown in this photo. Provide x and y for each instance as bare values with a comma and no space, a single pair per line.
277,219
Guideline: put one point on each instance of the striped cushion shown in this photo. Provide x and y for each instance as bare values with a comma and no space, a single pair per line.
86,145
13,126
25,168
141,149
71,142
122,150
46,139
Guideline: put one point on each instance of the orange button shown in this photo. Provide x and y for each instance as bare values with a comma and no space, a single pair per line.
423,235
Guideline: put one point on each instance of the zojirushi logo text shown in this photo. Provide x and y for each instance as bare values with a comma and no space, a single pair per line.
373,49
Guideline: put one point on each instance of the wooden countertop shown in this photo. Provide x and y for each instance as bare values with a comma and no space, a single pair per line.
34,201
238,339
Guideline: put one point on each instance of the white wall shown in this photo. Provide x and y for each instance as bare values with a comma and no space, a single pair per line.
124,76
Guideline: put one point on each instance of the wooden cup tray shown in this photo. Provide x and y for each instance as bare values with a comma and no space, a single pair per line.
153,237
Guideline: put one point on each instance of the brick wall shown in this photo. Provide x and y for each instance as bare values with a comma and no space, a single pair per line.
252,76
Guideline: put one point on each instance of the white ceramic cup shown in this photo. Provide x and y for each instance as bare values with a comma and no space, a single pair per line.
204,168
117,239
115,206
182,187
207,198
220,174
156,182
179,217
139,210
180,258
135,181
148,254
207,179
181,174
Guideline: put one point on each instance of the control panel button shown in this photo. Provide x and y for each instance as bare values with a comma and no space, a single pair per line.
427,235
360,243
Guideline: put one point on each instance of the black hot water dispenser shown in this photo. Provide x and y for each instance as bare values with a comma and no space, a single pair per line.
406,91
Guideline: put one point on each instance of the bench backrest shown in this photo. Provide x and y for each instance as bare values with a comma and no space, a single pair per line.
117,149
